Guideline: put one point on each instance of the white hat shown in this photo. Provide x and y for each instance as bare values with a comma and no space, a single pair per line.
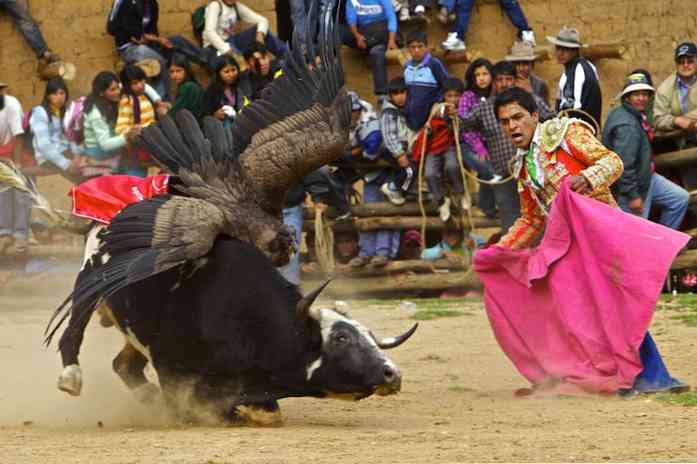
635,82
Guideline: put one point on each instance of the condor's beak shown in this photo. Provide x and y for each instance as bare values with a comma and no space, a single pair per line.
393,342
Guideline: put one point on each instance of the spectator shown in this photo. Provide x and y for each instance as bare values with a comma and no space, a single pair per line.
223,19
425,77
501,150
102,145
579,87
649,107
262,68
456,37
408,7
523,56
396,136
187,93
225,97
675,107
52,150
133,23
451,246
135,110
373,26
627,132
15,205
379,246
19,12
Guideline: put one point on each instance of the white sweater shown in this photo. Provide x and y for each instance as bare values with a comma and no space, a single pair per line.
220,22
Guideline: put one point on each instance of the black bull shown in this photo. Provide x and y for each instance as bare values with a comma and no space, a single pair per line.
238,335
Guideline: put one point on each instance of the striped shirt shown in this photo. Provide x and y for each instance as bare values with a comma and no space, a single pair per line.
126,116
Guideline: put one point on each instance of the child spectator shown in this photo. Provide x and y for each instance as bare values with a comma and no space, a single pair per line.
396,136
424,76
441,155
379,246
373,29
222,21
262,68
187,92
52,149
135,110
451,245
15,204
224,97
102,145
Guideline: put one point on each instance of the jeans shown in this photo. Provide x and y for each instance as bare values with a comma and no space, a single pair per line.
472,161
486,200
19,11
671,199
241,41
447,4
434,167
463,10
376,57
293,217
196,54
377,242
133,53
508,203
15,212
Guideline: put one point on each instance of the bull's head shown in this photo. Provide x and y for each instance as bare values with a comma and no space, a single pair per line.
352,364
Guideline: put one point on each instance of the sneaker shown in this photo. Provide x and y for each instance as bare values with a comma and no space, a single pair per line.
528,36
379,261
359,261
420,13
393,196
442,15
444,210
455,46
404,14
452,38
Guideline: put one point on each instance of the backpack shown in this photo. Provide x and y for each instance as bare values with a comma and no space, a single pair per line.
198,19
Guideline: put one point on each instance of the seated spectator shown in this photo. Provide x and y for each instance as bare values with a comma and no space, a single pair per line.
463,12
441,154
478,81
452,245
579,85
18,11
627,132
649,107
396,136
411,9
134,25
372,28
425,76
225,97
523,57
102,145
379,246
262,68
15,204
52,150
135,111
186,91
222,35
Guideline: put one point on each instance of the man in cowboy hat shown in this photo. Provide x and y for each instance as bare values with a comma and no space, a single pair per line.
628,133
523,57
579,87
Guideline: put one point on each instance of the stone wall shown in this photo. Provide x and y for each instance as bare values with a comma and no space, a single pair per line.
649,28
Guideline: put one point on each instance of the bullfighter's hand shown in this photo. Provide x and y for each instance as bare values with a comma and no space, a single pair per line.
580,184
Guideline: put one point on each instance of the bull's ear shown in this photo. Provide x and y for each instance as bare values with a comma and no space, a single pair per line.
303,307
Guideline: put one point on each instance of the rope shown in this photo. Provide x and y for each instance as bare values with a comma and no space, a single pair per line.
324,243
419,180
569,111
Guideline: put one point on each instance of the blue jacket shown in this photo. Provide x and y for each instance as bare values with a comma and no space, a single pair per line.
425,82
362,12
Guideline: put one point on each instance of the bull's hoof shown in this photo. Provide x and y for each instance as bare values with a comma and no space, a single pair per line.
70,380
256,416
147,393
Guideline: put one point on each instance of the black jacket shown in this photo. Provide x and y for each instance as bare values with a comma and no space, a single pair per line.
126,20
591,96
255,82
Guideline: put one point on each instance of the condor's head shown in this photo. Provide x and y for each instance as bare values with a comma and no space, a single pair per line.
349,363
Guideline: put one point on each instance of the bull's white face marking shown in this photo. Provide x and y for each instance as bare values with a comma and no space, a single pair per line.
328,318
92,246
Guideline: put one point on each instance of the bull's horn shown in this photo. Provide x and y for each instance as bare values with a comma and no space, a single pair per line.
393,342
305,303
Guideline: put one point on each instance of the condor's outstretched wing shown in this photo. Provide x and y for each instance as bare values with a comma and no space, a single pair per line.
302,121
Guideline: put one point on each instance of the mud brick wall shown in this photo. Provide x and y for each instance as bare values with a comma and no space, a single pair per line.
649,28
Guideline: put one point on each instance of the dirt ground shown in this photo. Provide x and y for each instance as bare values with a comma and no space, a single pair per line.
457,403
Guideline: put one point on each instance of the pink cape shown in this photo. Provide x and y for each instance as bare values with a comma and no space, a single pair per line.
573,312
102,198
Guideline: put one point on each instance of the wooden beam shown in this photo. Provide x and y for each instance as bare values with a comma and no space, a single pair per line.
414,266
685,260
677,158
594,52
387,209
400,56
401,223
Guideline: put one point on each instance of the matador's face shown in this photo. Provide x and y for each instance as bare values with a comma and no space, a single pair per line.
518,124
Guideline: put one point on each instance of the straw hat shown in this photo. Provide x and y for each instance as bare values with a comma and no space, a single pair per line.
522,51
150,67
568,37
635,82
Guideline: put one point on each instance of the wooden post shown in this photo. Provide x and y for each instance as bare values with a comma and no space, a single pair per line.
613,51
675,159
